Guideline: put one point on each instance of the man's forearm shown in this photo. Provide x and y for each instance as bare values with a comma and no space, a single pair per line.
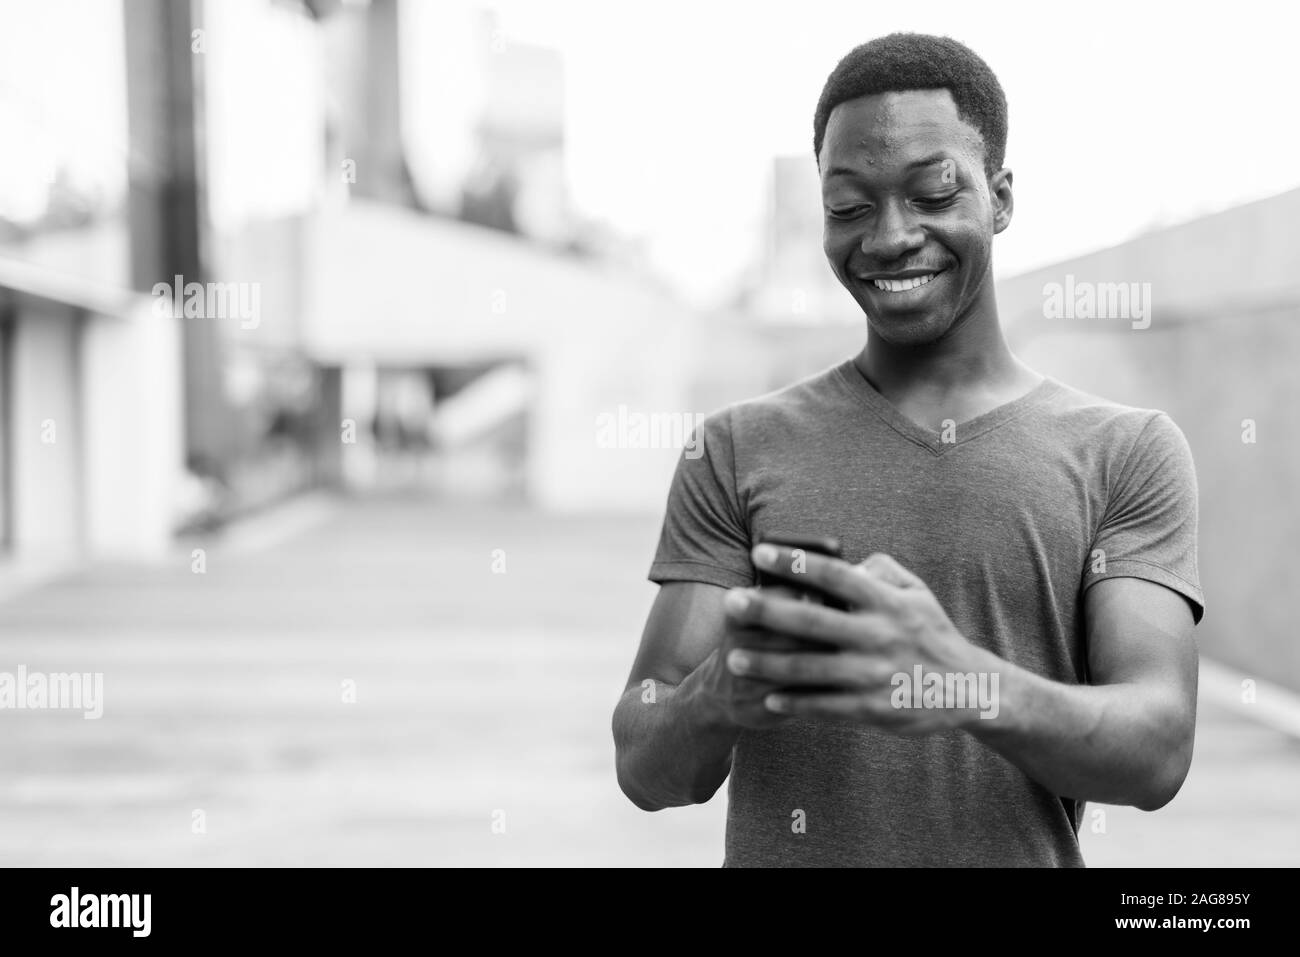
674,750
1115,744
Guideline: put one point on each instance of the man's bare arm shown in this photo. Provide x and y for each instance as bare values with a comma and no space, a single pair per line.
674,737
1125,738
671,746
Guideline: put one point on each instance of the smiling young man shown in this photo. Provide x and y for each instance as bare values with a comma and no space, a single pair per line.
1019,557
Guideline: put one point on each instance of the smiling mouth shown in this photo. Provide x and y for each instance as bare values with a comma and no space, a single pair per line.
903,285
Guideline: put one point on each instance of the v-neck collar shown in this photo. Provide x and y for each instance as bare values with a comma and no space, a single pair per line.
857,383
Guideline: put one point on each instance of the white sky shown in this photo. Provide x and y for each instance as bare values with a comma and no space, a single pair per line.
59,106
1123,115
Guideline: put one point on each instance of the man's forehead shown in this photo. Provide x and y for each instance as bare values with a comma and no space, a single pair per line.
896,125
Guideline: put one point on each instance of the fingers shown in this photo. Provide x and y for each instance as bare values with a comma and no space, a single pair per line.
860,587
759,639
782,591
826,705
857,707
758,609
806,668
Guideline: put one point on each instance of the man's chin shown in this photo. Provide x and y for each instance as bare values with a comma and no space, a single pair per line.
918,330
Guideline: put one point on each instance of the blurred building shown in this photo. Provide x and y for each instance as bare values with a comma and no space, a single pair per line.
90,418
463,346
521,134
790,317
543,344
1219,356
483,123
390,178
341,166
794,285
91,405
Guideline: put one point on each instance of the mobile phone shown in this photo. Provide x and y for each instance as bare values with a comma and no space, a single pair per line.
810,544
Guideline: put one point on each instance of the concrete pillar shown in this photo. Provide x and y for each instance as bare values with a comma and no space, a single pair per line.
46,433
360,399
164,108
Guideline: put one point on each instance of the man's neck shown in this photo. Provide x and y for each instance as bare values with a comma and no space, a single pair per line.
962,375
974,357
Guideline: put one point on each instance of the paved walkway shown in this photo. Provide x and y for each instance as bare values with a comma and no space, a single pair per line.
479,698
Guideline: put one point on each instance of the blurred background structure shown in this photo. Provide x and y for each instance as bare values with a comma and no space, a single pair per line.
346,351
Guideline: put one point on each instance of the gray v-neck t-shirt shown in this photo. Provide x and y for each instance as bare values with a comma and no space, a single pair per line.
1008,518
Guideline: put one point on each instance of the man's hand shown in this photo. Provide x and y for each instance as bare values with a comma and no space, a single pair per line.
740,699
894,624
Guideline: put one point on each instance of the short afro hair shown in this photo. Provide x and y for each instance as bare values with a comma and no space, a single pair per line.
918,61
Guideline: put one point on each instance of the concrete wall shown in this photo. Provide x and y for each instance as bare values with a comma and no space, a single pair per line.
94,453
1221,348
45,447
133,431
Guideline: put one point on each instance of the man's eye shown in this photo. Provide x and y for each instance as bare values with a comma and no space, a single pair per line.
847,212
936,202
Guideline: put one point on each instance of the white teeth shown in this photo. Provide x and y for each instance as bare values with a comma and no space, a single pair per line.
901,285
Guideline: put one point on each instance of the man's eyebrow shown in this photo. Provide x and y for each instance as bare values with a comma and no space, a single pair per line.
930,160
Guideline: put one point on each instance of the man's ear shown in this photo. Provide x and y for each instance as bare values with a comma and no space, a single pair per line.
1003,202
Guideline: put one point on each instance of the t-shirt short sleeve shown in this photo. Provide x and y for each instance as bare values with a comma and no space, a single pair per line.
1149,529
705,537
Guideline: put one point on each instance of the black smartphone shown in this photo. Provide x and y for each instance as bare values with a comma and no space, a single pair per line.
811,544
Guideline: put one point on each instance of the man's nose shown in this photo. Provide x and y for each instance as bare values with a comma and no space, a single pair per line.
896,234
